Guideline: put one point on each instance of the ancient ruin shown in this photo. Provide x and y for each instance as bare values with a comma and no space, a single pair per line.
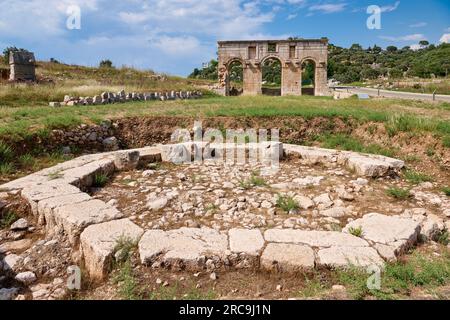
211,216
292,54
122,97
22,64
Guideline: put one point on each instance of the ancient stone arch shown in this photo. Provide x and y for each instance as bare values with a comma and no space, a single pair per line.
292,53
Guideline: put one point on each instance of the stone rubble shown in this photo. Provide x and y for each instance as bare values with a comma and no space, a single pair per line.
122,97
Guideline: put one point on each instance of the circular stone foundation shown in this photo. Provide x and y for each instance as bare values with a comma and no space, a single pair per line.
322,208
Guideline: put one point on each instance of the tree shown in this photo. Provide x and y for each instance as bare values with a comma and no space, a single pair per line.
391,49
7,51
424,43
106,64
369,74
356,47
376,49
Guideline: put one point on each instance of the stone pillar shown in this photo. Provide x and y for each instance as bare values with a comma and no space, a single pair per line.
252,80
291,80
321,82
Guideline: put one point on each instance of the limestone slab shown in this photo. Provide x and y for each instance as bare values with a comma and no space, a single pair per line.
287,257
397,232
37,192
348,256
74,218
245,241
186,245
99,241
314,238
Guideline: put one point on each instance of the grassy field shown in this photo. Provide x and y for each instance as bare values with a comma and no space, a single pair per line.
399,115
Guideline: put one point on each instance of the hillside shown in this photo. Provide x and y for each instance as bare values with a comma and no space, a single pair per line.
55,80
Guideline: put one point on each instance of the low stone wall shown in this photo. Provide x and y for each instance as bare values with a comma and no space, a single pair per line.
98,137
122,96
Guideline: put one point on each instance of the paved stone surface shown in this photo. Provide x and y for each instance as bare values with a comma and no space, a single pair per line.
314,238
287,257
185,245
244,241
395,232
348,256
55,197
99,241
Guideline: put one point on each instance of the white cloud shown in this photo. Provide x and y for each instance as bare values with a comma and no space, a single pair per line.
218,18
291,16
390,8
35,19
416,47
418,25
328,8
410,37
445,38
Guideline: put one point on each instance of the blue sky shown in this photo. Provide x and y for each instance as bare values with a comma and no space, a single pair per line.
175,36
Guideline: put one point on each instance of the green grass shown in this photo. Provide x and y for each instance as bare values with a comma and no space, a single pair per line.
443,238
125,248
398,279
127,282
27,160
6,153
100,180
446,190
255,180
6,168
8,218
128,285
357,232
349,143
313,288
399,193
287,203
17,122
417,177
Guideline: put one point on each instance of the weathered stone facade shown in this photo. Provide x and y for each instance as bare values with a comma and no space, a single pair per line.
22,65
291,53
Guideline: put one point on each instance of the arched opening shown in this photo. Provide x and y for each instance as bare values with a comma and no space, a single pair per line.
235,78
271,77
308,78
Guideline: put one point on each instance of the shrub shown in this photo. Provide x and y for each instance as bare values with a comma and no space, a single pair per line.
287,203
357,232
8,218
417,177
106,64
398,193
100,180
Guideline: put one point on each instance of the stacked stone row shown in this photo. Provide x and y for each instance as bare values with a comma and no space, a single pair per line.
122,96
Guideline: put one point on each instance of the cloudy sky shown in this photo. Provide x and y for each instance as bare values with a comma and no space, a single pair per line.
174,36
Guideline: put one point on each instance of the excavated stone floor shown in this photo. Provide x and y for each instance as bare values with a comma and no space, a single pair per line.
210,216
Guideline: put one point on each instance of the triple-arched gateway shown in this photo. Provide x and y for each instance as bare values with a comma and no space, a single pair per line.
292,56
